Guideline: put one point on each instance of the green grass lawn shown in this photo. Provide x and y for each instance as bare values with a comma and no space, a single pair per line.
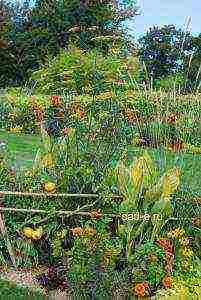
9,291
23,147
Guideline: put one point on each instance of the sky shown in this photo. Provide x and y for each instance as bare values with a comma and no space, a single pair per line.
164,12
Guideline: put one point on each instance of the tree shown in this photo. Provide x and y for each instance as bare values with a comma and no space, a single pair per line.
17,53
193,65
79,21
163,51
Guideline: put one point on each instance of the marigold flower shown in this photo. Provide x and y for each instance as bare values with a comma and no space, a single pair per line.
130,115
77,231
39,114
55,100
89,231
96,214
105,96
50,187
33,234
130,94
196,222
184,241
176,233
66,131
199,200
186,252
176,146
28,232
167,282
17,129
141,289
61,114
152,257
172,118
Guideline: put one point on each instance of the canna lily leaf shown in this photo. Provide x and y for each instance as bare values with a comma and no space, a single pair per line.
124,181
143,171
171,182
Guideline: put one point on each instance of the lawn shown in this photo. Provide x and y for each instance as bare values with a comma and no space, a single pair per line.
23,147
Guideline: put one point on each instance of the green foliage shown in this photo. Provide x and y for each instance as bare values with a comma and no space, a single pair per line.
148,264
170,83
163,51
82,72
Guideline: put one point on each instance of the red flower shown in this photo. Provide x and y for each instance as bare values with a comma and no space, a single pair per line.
96,214
55,100
120,82
164,243
167,247
167,282
168,253
140,289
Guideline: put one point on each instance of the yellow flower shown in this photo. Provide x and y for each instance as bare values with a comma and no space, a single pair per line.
28,232
176,233
37,234
130,94
184,241
105,96
186,252
12,115
47,160
50,187
33,234
89,231
16,129
61,234
28,174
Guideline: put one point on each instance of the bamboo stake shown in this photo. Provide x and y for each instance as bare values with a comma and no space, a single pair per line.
42,211
10,193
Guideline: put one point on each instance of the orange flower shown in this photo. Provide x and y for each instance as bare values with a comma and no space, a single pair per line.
55,100
164,243
167,247
66,131
196,222
167,282
177,146
39,114
130,115
199,200
61,114
172,118
140,289
77,231
96,214
77,110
